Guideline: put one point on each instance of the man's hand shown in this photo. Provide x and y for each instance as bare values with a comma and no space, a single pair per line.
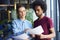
42,36
26,30
26,39
32,35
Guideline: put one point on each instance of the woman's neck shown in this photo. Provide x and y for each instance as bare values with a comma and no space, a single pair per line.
22,19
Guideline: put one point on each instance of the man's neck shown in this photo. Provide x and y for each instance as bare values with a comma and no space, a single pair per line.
41,17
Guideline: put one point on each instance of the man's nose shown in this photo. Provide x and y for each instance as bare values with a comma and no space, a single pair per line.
36,11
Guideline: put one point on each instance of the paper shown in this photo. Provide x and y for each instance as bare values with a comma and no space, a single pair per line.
38,30
22,36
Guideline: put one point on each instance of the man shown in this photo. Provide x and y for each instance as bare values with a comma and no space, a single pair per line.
20,25
40,7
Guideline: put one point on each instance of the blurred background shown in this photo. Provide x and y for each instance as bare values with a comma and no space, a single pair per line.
8,13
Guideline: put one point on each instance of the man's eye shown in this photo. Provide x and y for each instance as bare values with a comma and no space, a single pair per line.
23,10
37,9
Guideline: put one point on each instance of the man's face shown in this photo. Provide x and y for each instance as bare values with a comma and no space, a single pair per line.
22,12
38,11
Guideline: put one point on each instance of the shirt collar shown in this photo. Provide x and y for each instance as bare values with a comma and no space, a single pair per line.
22,20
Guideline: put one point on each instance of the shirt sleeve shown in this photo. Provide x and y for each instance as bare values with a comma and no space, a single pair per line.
50,23
30,25
14,29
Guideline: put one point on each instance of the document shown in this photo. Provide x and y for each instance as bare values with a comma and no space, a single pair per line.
22,36
38,30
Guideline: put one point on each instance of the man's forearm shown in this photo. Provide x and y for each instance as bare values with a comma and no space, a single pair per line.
42,36
50,36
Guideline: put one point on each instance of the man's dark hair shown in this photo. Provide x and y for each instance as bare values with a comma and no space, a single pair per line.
40,3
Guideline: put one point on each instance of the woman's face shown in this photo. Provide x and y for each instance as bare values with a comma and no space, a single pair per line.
22,12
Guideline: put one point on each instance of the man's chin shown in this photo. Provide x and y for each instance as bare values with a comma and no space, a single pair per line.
38,15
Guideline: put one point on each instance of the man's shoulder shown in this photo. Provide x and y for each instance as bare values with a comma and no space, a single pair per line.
48,18
45,18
